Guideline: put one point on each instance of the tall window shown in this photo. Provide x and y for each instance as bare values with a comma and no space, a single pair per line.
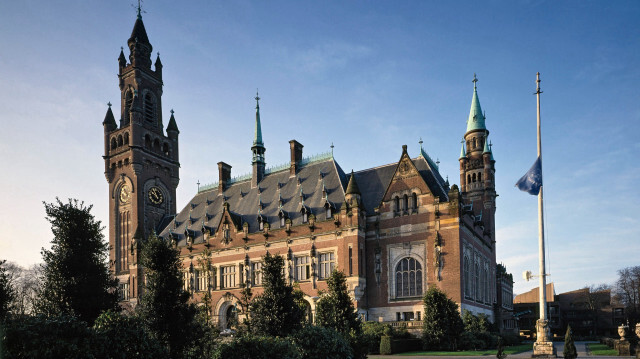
200,280
149,107
305,216
408,278
302,267
327,264
123,291
405,202
467,286
228,276
396,201
256,273
476,282
414,199
328,212
128,99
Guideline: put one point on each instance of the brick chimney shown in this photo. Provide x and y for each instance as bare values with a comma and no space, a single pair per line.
296,156
224,175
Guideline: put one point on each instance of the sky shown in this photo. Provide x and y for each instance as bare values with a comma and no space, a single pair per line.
367,76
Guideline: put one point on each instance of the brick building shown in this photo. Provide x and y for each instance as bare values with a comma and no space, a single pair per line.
393,230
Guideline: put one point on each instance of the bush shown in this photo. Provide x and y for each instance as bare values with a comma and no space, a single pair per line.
510,339
120,336
252,347
371,333
385,345
319,342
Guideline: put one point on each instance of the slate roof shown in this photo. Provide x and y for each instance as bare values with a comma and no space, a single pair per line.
279,192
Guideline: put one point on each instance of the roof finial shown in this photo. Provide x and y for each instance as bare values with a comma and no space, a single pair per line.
331,149
257,100
420,142
475,80
198,183
109,104
139,10
171,111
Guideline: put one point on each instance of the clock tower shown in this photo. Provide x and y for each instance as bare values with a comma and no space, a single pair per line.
141,161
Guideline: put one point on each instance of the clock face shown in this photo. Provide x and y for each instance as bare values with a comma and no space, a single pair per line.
125,194
155,195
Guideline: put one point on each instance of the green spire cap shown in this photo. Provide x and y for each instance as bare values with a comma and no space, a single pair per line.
352,187
476,117
172,126
486,146
463,154
109,121
257,141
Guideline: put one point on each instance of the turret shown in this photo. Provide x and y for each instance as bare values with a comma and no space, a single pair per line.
139,45
258,149
352,194
172,134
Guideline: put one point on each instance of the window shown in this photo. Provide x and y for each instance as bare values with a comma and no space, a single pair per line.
149,107
256,273
476,282
328,212
480,177
305,217
350,261
397,203
260,224
405,202
123,291
228,276
282,221
327,264
467,286
408,278
127,105
414,200
302,268
200,280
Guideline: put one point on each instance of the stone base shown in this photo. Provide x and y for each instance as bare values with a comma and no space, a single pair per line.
544,350
623,348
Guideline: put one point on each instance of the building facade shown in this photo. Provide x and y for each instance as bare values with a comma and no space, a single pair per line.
393,230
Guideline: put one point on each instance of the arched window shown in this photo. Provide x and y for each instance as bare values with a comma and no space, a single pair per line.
126,138
476,282
305,216
261,226
282,221
156,145
147,141
408,278
414,199
120,141
396,202
165,149
149,107
475,142
114,144
467,287
468,178
480,177
328,211
405,202
473,177
128,99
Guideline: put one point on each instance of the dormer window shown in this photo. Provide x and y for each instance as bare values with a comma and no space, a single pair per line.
260,223
282,221
305,216
328,212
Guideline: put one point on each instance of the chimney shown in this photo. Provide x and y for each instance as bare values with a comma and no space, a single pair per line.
224,175
296,156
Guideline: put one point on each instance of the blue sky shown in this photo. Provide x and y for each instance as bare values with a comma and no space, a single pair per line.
368,76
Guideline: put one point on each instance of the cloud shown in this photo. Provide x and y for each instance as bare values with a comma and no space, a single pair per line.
327,56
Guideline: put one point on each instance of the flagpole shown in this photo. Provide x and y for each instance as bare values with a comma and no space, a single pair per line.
543,347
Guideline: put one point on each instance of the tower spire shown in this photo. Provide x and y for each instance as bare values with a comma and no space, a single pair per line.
257,139
476,116
258,149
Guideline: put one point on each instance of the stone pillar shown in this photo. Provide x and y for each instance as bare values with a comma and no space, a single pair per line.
623,346
543,347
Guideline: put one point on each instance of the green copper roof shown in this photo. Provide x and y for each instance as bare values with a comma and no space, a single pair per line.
476,117
486,146
172,126
257,140
463,154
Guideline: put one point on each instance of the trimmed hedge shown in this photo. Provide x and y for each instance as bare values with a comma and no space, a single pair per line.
389,345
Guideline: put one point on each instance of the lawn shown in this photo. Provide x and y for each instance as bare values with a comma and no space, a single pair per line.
507,350
601,349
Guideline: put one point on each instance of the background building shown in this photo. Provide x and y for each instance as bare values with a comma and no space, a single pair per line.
393,230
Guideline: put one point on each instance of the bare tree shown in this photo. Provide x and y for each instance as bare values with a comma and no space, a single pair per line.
595,298
25,282
628,292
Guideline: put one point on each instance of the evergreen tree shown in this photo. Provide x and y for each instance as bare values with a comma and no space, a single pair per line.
335,308
76,277
164,304
7,292
442,322
276,312
569,351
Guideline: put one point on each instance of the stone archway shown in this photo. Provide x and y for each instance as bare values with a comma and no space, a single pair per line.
226,311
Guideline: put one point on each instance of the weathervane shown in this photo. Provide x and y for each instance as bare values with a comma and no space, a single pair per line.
139,9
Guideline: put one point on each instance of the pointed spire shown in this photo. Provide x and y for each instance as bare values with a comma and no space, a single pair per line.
463,154
257,140
486,145
476,117
158,63
109,121
122,61
352,187
491,151
172,126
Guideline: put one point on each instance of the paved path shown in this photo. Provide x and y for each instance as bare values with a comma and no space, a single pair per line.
581,347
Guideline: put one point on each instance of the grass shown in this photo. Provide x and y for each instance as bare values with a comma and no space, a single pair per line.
507,350
601,349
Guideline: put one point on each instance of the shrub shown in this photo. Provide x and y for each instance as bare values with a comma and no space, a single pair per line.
120,336
442,322
319,342
371,333
569,351
385,345
253,347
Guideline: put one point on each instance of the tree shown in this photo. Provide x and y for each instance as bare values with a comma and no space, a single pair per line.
25,282
335,308
595,298
321,342
76,278
628,292
275,312
7,293
442,323
121,336
569,351
164,304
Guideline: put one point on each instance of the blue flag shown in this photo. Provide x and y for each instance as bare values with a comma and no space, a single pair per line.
532,180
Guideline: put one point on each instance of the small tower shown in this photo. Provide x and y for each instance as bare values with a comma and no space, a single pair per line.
352,194
477,165
257,150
